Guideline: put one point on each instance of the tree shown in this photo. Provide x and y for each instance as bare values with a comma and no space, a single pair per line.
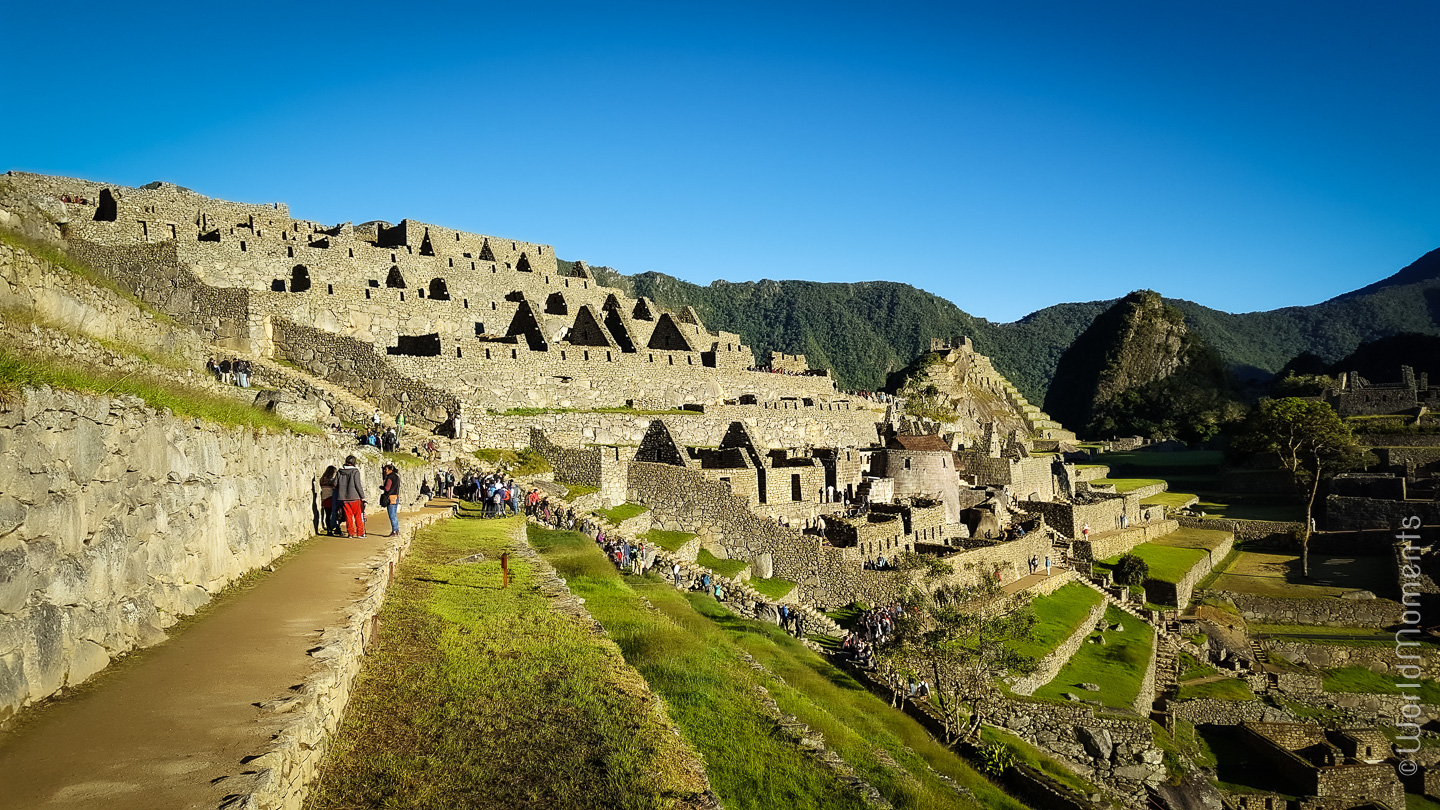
1131,570
1311,441
957,636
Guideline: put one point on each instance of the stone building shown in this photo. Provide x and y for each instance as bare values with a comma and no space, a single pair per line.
1348,765
1356,396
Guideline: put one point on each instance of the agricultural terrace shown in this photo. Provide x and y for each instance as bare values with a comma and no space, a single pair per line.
1266,573
1172,556
692,651
1058,615
1117,666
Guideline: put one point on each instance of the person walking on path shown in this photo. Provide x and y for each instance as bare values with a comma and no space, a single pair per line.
350,492
327,500
390,497
399,425
1047,565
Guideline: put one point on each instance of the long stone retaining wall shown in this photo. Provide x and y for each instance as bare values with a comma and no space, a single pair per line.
1376,613
1244,530
117,519
1114,543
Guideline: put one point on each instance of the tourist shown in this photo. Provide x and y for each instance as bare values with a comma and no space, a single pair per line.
327,501
225,371
1085,531
214,368
242,372
350,492
390,497
1047,565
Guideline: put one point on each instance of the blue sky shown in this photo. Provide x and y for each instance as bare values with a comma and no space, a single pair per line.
1007,156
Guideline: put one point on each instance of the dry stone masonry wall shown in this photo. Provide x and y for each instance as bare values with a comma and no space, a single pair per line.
117,519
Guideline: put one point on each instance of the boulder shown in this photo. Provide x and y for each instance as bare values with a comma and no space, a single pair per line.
1097,742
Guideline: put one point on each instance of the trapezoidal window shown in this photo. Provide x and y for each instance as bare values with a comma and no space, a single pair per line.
555,305
107,209
438,290
278,285
299,278
395,281
416,345
524,264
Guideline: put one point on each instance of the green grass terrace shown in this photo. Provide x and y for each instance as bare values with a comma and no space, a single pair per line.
1058,615
1117,666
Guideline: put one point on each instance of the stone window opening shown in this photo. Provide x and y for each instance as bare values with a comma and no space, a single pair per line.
420,292
416,345
607,357
672,359
492,306
278,285
556,305
795,491
472,265
514,354
402,295
479,328
587,354
567,282
562,354
299,278
367,293
426,249
524,264
329,289
452,262
108,209
652,358
394,280
392,257
487,354
457,351
439,290
352,253
242,246
907,463
290,252
467,303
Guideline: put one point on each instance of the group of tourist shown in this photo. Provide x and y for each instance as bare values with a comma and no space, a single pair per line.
387,440
1035,564
342,497
809,372
556,516
498,495
230,372
70,198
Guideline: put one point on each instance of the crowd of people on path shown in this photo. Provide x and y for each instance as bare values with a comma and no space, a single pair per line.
230,371
809,372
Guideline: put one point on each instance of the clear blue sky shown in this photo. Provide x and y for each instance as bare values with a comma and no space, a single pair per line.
1006,156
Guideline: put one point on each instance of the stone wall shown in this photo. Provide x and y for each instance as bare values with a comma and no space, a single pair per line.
1211,712
1376,657
773,428
1109,544
1377,613
1343,514
117,519
1115,751
1244,530
1102,515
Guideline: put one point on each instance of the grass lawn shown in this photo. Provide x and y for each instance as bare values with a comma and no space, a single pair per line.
1115,666
1250,507
482,697
1126,484
1169,500
405,459
773,587
1167,563
576,490
623,512
725,568
1223,689
688,647
1185,537
670,541
1415,801
1360,679
1276,574
1058,615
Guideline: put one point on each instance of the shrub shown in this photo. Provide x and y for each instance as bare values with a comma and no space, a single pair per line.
996,758
1131,570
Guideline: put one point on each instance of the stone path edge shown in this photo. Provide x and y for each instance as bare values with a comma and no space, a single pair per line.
280,777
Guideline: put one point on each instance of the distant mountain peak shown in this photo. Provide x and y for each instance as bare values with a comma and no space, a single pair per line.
1425,268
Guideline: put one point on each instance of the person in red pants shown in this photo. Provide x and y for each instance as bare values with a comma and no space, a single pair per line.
350,492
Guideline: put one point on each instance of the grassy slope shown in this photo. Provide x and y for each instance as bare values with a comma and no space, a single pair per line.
1116,666
688,648
1058,616
480,697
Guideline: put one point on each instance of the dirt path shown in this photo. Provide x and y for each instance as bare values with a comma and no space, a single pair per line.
166,727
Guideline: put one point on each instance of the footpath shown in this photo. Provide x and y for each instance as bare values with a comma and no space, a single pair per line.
178,725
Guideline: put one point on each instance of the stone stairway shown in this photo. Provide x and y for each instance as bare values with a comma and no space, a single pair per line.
1036,420
1124,606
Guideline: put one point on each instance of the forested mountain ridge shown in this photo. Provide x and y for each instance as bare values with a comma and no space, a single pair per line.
864,330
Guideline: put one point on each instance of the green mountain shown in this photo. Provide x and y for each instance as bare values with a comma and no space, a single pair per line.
862,331
1138,370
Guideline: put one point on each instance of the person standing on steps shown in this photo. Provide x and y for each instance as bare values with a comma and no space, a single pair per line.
390,497
350,492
